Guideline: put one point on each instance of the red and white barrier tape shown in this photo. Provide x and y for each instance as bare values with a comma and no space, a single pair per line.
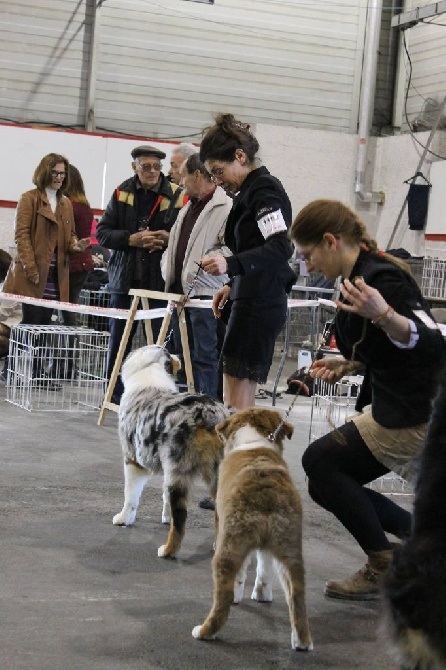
112,312
115,313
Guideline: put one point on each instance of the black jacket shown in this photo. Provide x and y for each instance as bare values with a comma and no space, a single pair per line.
120,220
399,383
259,267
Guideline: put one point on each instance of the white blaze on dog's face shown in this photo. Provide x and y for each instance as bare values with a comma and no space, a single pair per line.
144,358
252,428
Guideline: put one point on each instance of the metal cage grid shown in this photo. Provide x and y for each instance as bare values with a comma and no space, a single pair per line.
101,323
433,284
302,329
96,299
332,406
56,368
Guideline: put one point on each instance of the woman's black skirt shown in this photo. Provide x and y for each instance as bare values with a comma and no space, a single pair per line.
251,334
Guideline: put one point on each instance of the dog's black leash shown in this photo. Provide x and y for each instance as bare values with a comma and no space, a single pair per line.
272,437
182,303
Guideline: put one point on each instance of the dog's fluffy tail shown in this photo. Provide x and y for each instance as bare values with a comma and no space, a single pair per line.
207,412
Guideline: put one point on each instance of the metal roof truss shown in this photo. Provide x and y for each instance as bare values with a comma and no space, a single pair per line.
409,19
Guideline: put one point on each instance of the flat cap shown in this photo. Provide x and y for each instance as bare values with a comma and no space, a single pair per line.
147,150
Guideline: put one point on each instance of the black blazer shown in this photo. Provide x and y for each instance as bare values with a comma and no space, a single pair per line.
259,267
399,383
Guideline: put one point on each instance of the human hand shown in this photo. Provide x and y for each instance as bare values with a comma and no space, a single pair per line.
330,369
219,300
162,238
98,260
214,265
34,279
362,299
82,244
155,240
141,238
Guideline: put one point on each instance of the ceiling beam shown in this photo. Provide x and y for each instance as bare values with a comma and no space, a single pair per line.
413,17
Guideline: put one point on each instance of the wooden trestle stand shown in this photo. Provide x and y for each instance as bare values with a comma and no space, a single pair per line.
143,296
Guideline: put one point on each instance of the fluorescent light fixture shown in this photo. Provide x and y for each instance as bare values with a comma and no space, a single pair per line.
206,2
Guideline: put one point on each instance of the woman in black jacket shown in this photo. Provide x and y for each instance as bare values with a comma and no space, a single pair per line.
383,324
260,275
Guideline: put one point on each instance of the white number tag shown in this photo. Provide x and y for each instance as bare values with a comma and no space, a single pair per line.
272,223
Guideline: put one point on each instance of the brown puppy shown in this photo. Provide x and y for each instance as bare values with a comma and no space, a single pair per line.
257,508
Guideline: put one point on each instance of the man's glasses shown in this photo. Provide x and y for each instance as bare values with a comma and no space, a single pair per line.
148,167
55,173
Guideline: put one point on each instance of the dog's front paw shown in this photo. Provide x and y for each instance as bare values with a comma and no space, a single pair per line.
123,519
263,593
164,553
165,518
196,633
297,645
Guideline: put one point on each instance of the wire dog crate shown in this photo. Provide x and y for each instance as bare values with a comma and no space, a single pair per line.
56,368
332,406
95,299
433,283
102,323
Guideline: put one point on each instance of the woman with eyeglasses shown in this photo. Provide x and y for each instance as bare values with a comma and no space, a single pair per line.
45,236
382,324
259,271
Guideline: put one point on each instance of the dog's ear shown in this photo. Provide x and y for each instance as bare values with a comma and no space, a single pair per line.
176,363
222,427
287,430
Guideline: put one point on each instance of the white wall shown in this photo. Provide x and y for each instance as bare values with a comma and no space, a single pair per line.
397,160
164,67
103,161
310,163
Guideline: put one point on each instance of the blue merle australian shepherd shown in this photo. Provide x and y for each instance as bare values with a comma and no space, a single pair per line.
415,586
161,430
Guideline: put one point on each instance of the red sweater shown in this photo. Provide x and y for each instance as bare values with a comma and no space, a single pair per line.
83,219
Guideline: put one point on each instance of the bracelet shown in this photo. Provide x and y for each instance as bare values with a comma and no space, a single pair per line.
383,319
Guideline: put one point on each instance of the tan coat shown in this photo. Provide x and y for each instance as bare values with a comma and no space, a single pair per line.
206,239
38,231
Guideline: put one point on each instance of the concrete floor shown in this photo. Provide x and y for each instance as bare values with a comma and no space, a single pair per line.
79,593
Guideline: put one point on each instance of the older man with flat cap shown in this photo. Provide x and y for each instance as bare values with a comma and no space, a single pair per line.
135,227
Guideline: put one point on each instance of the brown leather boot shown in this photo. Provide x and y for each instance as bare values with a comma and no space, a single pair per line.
364,584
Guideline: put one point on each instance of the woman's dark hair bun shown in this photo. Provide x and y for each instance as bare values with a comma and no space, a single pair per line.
221,141
229,123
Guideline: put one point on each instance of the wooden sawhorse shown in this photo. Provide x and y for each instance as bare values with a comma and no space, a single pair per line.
143,296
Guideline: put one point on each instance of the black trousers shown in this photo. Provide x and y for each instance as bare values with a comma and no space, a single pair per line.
338,465
33,315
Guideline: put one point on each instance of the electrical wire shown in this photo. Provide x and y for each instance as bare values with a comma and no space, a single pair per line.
409,125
